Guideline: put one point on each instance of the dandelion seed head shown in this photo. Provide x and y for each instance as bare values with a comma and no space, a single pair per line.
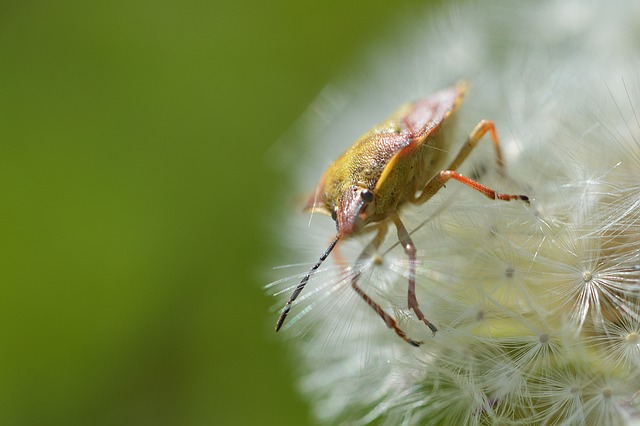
538,307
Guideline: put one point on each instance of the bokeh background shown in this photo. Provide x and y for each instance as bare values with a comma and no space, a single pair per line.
134,198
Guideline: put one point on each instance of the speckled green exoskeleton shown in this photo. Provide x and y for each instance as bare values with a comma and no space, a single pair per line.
397,162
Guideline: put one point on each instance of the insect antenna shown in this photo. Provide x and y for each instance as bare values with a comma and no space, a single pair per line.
304,282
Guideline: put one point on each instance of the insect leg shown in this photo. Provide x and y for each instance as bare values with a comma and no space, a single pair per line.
476,134
441,178
410,249
388,319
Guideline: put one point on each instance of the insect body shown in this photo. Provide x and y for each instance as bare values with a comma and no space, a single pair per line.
399,161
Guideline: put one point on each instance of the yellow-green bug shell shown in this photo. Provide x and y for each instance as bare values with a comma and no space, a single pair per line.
393,160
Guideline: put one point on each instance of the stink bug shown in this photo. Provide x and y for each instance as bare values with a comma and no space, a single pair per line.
399,161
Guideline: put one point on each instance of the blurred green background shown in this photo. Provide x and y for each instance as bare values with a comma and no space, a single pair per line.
134,197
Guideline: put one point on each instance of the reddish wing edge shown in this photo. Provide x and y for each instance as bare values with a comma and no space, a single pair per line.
425,117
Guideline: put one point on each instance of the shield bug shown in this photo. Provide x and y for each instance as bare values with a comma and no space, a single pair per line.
398,162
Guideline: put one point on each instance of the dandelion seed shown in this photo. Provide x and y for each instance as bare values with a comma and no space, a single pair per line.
619,342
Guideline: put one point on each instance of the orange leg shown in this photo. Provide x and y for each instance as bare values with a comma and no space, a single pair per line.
441,178
476,134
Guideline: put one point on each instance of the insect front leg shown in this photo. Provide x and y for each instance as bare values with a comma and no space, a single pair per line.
410,250
388,319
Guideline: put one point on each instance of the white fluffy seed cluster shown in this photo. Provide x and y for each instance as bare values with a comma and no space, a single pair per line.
538,307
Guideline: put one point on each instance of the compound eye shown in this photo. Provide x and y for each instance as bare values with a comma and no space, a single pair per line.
366,195
334,214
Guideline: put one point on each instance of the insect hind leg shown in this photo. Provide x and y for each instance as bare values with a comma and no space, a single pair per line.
439,180
482,128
